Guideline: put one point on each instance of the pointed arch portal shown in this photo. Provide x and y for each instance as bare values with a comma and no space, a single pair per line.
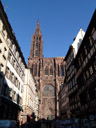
48,102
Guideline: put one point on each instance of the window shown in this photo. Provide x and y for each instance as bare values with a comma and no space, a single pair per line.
84,75
19,60
94,64
7,72
35,71
18,85
68,86
15,80
13,95
88,48
58,71
9,57
14,49
36,53
20,101
1,67
4,52
91,70
91,41
12,45
95,44
10,76
71,55
62,70
36,45
32,68
73,81
85,50
81,57
51,71
87,74
21,88
0,43
17,68
17,55
39,38
10,92
94,34
49,90
46,71
79,62
12,62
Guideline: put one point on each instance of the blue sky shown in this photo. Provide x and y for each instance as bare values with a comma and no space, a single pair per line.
60,21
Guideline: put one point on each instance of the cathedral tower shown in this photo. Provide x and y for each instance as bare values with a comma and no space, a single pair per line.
36,44
48,74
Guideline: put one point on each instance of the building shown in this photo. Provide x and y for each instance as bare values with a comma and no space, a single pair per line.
85,64
68,99
74,101
12,70
30,97
48,74
64,102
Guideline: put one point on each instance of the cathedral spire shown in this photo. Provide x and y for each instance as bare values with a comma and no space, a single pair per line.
37,30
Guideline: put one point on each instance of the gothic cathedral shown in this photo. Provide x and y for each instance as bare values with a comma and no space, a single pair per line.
49,75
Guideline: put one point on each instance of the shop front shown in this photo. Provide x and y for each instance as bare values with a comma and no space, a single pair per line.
9,109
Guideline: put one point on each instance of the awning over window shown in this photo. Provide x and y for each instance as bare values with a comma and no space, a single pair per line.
8,101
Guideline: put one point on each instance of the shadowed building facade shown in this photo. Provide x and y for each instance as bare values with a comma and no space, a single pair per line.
48,74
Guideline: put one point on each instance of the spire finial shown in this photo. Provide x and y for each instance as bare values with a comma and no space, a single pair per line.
38,21
37,30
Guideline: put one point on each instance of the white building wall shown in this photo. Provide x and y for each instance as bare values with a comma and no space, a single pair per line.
30,98
10,84
77,42
4,47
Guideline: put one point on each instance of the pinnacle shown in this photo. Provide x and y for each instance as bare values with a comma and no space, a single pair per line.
37,30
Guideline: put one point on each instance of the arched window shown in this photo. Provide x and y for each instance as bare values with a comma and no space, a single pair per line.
46,71
51,71
49,90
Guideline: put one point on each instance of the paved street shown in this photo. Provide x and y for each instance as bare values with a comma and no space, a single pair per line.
47,124
67,123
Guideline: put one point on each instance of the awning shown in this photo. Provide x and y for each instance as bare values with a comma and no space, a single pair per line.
8,101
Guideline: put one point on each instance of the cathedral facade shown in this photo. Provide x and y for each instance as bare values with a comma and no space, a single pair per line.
48,74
